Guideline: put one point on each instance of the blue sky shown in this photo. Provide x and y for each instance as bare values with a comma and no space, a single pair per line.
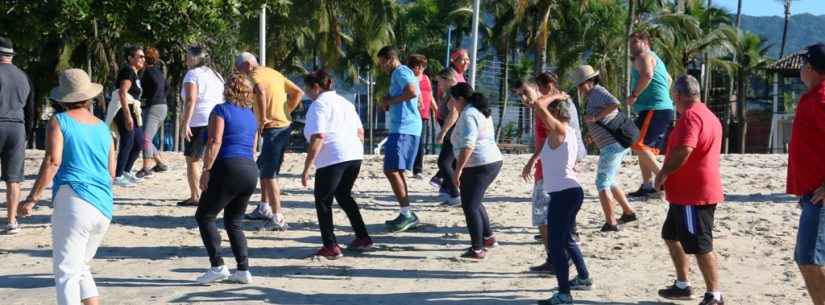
773,7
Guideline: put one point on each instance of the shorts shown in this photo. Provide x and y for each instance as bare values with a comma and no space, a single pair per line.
196,145
273,146
540,203
610,160
12,151
653,128
810,240
400,151
692,226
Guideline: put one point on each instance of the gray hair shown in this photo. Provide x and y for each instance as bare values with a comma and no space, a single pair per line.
245,57
563,106
687,86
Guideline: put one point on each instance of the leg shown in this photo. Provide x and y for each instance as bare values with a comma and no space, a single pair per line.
545,240
810,249
126,141
214,199
606,199
572,247
88,289
12,161
648,165
327,179
399,187
419,157
446,160
272,191
70,235
815,281
679,258
708,264
471,195
344,197
558,224
489,175
137,147
12,199
193,177
233,223
621,198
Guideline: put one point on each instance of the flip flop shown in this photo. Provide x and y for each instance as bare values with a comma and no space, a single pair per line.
187,203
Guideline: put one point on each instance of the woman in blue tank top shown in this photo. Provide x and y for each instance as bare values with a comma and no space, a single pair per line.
80,159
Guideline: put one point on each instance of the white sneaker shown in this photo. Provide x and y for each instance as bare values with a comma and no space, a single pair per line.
451,202
123,182
214,274
241,277
275,224
11,229
132,177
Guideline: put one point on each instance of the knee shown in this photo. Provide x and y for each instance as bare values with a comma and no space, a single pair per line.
203,217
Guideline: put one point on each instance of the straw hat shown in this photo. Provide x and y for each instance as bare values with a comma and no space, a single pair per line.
584,73
75,86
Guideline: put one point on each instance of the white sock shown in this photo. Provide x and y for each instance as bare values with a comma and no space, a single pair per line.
682,285
717,295
406,211
279,216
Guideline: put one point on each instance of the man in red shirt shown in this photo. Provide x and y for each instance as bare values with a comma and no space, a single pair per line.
806,172
693,187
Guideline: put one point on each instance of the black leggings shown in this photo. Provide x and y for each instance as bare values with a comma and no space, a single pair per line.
418,167
231,183
130,144
474,182
446,166
336,181
561,218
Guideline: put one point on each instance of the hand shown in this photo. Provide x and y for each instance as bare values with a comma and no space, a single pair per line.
819,195
631,100
659,182
386,103
457,178
25,208
127,120
187,132
441,136
527,171
589,119
204,180
305,178
563,96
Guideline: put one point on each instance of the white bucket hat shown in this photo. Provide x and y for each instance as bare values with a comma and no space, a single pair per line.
584,73
75,86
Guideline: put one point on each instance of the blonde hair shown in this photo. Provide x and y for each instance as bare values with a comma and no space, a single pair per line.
239,90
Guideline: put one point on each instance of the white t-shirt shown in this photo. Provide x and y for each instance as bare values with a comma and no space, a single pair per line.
210,93
335,117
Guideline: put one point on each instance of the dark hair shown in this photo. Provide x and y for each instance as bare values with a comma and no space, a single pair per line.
597,80
641,35
814,56
320,78
131,50
416,60
518,84
547,78
388,52
475,99
152,56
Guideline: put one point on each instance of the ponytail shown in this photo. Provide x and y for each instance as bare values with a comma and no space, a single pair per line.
481,103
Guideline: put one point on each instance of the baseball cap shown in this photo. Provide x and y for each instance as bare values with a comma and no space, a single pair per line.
6,47
815,56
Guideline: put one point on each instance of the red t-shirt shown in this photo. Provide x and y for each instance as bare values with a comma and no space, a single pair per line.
806,153
541,136
426,100
698,181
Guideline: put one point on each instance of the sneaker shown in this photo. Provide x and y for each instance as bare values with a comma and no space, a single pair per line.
276,225
675,293
261,212
558,298
123,182
418,176
214,274
642,192
11,229
143,174
538,237
132,178
546,268
436,182
361,244
490,242
709,299
474,254
627,218
187,203
578,283
402,223
159,168
241,277
330,253
609,228
451,202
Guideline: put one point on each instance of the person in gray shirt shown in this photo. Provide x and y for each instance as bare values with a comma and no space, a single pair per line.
15,113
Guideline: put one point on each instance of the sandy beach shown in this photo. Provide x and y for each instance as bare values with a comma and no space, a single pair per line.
153,251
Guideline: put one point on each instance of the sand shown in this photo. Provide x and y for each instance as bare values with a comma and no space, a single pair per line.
153,250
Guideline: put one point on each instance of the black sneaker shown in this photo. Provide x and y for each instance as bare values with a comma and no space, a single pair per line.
675,293
546,268
627,218
159,168
609,228
538,237
144,173
710,300
642,192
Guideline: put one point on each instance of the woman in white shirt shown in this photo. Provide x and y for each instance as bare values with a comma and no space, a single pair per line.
202,90
335,136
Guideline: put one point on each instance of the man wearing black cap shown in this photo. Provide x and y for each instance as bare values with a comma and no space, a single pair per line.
15,103
806,172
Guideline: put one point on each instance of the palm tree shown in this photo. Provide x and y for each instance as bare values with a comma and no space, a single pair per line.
787,4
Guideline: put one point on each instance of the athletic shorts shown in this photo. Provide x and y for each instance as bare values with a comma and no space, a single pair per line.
12,151
274,142
692,226
540,203
400,151
810,240
610,160
653,128
196,145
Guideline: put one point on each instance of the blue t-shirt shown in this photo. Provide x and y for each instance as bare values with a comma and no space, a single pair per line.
85,163
239,131
404,116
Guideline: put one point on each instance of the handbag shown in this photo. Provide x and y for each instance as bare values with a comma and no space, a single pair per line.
622,128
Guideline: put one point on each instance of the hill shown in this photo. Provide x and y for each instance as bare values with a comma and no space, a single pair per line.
804,30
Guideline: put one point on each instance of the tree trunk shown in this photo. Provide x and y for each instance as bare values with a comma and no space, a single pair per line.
628,64
785,29
503,91
541,44
705,59
742,111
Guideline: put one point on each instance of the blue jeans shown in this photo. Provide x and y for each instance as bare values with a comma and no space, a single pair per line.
561,217
810,240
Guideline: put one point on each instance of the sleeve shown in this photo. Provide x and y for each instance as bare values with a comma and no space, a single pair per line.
816,116
316,120
686,132
408,78
29,111
190,77
219,111
468,133
605,98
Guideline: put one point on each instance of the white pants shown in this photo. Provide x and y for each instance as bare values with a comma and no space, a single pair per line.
77,230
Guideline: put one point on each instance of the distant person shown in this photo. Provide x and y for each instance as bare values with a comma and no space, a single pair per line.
202,91
277,98
16,107
336,148
650,99
128,117
446,116
80,165
806,173
548,84
427,106
603,113
558,158
477,166
229,179
693,187
404,133
154,109
459,62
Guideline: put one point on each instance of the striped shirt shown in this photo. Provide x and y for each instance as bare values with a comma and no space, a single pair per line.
597,100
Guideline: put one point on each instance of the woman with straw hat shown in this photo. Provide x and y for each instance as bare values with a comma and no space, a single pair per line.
80,159
604,120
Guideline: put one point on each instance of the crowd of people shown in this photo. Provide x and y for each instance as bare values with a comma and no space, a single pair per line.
224,120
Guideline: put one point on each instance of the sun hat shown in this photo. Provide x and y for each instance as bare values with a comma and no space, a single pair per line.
815,56
6,47
75,86
584,73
